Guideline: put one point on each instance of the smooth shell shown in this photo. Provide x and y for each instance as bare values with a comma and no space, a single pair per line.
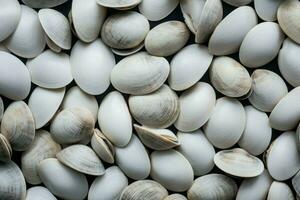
238,3
43,3
267,9
296,183
5,149
38,193
279,191
117,4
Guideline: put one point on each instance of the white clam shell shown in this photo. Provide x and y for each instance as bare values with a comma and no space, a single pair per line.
267,9
279,191
196,106
19,43
171,169
261,44
43,3
197,150
15,81
91,66
114,110
283,166
188,66
133,159
63,181
5,149
38,193
296,183
175,197
226,124
230,32
52,45
117,4
238,3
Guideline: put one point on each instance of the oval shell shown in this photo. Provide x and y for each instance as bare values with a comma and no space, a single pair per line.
267,9
280,190
39,192
43,4
238,3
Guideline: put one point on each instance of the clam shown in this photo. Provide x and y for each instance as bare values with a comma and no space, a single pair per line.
159,109
72,125
196,106
296,183
261,44
1,108
43,4
268,89
52,45
127,52
18,126
175,197
230,32
133,159
15,81
91,66
39,192
283,162
213,186
279,191
5,149
157,139
171,169
12,182
43,147
114,110
238,162
63,181
267,9
226,124
229,77
197,150
257,133
238,3
117,4
188,66
108,186
144,189
167,38
140,74
29,25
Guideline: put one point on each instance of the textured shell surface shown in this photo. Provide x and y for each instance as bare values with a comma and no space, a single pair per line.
175,197
280,190
267,9
117,4
43,4
238,3
1,108
38,193
296,183
5,149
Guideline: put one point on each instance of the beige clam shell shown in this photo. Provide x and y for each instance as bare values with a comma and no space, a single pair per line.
5,149
43,3
238,3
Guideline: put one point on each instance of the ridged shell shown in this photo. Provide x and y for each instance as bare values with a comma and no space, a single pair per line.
267,9
38,193
117,4
279,191
175,197
238,3
43,3
296,183
5,149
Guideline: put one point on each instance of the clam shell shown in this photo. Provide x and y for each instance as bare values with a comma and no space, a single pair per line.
127,52
188,66
5,149
159,109
114,110
52,45
91,66
117,4
29,25
280,190
226,124
296,183
213,186
63,181
140,74
175,197
196,106
108,186
39,192
18,126
261,44
43,147
238,3
133,159
267,9
15,81
1,108
238,162
42,3
230,32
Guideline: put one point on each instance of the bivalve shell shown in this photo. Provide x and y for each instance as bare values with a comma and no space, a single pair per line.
238,3
175,197
43,4
38,193
279,191
267,9
5,149
296,183
1,108
117,4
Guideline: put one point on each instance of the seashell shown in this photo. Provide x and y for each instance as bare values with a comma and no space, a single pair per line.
238,162
10,17
155,10
283,162
257,133
286,114
229,77
5,149
57,27
52,45
18,126
1,108
140,74
19,43
267,9
230,32
114,110
226,124
159,109
43,147
213,186
82,159
157,139
188,66
202,17
43,4
289,19
127,52
175,197
238,3
91,66
167,38
171,169
63,181
296,183
87,18
72,125
261,44
133,159
117,4
108,186
39,192
268,89
144,189
288,59
12,184
192,117
197,150
15,82
280,190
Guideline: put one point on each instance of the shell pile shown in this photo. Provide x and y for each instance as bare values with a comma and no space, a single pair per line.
149,99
